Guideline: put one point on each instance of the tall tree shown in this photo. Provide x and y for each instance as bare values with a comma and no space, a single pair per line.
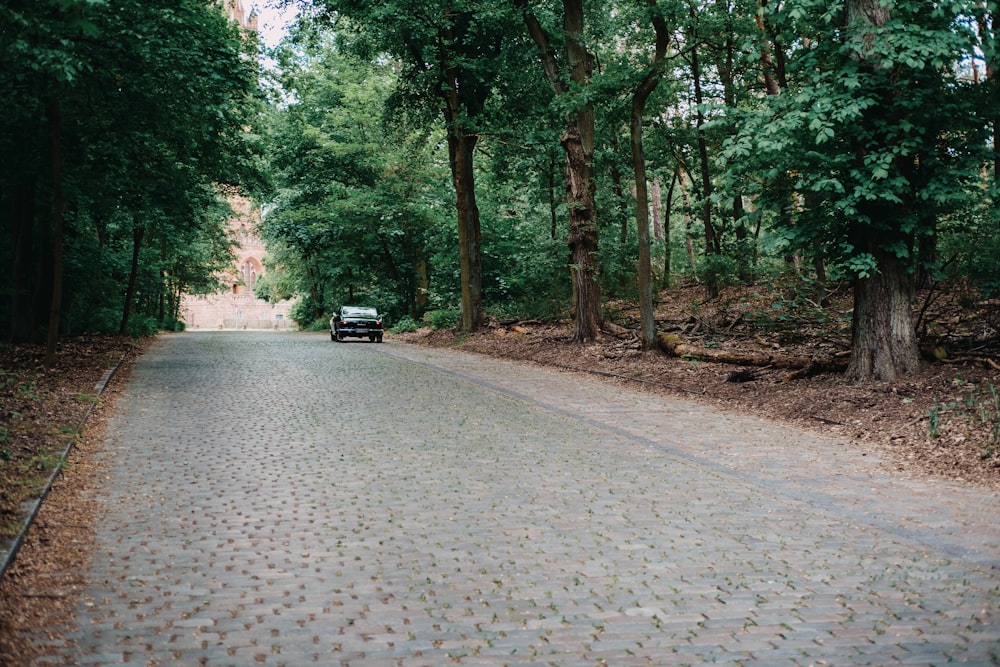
136,106
636,121
883,341
713,244
878,140
578,146
356,198
449,52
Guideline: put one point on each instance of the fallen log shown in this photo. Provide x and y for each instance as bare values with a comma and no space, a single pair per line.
674,346
616,330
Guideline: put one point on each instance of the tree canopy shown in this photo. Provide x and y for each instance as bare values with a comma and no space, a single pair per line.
121,122
528,158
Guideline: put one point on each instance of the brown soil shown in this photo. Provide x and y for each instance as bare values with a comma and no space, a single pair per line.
943,422
42,410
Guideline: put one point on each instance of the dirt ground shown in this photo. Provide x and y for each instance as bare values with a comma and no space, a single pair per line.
943,422
42,410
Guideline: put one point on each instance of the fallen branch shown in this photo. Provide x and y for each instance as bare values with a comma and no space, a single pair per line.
616,330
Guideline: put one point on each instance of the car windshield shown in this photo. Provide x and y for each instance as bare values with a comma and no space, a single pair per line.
358,312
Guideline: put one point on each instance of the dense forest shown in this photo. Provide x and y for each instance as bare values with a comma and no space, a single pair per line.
458,160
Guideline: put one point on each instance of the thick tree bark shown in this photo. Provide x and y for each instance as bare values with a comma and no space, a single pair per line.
656,208
460,148
583,231
883,340
464,97
578,143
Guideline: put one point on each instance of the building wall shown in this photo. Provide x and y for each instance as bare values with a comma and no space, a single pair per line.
235,306
237,10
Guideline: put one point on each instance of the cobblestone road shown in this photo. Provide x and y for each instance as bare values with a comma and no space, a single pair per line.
279,499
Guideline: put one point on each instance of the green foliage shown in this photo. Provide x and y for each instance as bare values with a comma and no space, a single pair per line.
976,412
719,270
142,325
792,304
404,325
303,313
172,324
147,104
847,157
880,139
359,202
442,319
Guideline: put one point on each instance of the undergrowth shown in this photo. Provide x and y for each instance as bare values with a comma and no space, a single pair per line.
973,417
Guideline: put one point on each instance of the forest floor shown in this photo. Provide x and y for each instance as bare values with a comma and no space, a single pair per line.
943,422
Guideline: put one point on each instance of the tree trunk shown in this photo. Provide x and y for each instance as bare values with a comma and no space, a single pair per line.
688,223
461,99
553,200
988,26
461,146
423,285
642,93
646,318
583,231
668,210
883,340
712,244
578,146
774,74
656,208
138,232
578,142
55,304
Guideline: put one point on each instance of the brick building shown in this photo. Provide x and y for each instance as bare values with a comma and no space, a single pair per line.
238,12
236,307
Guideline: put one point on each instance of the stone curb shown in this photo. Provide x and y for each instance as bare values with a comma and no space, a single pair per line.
36,504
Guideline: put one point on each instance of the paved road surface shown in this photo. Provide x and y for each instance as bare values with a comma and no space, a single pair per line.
278,499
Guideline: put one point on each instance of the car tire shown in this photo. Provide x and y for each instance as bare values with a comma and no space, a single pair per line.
378,339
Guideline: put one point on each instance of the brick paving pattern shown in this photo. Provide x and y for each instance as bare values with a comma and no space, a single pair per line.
278,499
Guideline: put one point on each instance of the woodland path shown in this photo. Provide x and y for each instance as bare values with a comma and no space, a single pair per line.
280,499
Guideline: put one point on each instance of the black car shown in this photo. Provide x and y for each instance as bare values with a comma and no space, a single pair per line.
356,322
